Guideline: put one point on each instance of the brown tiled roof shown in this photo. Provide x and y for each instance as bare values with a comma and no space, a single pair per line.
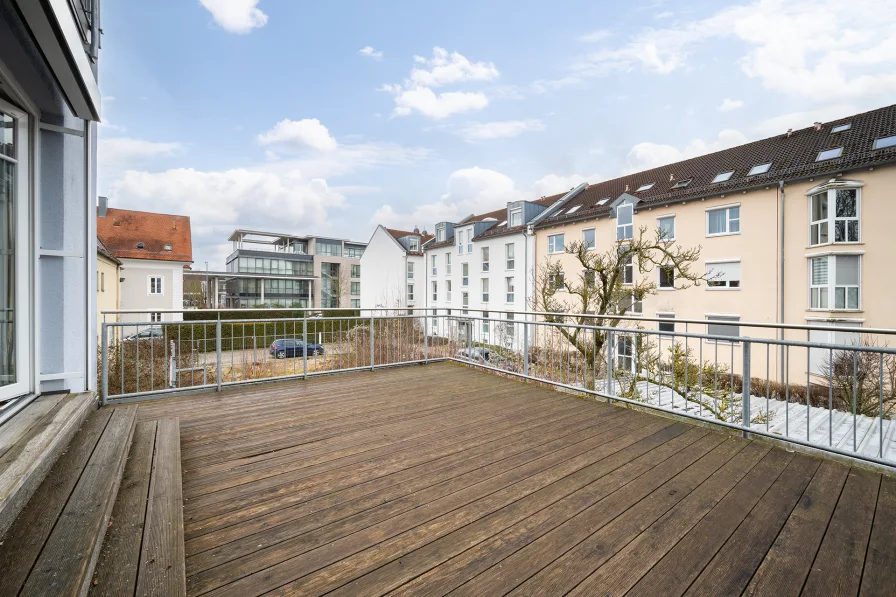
122,229
397,234
102,250
792,157
500,230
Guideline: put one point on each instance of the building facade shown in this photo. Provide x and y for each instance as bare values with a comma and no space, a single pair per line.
792,229
49,109
393,272
153,249
269,269
108,288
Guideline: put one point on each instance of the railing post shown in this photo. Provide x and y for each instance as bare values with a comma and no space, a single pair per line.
610,366
104,367
425,337
371,344
218,360
525,347
305,346
745,388
172,366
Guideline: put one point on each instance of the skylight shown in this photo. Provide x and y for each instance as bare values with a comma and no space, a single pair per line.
829,154
682,183
645,187
723,176
841,127
759,169
503,223
574,209
884,142
603,201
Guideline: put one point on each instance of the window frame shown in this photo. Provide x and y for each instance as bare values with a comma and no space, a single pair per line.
448,291
727,286
410,270
716,179
660,324
665,268
509,256
831,286
593,231
448,263
889,139
460,242
627,230
160,285
728,220
509,290
515,212
723,317
484,256
765,167
410,293
659,225
433,265
484,289
552,243
830,197
435,291
465,274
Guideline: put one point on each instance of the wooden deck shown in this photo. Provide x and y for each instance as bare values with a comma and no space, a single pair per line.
438,479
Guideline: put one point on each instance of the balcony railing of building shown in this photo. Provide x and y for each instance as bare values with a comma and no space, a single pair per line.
823,387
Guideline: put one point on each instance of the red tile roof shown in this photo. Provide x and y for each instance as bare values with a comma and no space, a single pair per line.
122,229
397,234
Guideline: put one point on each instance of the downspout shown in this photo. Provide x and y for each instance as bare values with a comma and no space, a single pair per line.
781,280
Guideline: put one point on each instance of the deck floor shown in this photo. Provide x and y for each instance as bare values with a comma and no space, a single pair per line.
438,479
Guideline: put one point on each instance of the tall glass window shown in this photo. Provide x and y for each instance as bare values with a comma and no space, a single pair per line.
8,288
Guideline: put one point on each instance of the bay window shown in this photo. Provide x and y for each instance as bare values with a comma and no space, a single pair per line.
834,282
837,210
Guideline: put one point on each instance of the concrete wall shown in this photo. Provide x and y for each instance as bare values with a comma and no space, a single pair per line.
135,288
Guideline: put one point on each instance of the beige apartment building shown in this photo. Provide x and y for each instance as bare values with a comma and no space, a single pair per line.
793,229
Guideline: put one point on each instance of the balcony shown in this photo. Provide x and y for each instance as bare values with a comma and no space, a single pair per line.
434,464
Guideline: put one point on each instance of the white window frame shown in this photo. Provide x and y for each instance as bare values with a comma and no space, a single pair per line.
410,294
723,176
509,290
722,317
435,291
484,287
25,371
484,252
728,220
465,301
727,286
440,234
435,268
160,285
831,287
470,241
414,244
516,214
448,263
665,315
465,274
510,256
659,225
552,243
155,317
628,266
448,291
831,221
410,270
593,245
625,231
460,242
659,273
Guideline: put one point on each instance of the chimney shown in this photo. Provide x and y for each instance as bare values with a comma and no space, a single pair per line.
103,207
671,177
817,126
789,132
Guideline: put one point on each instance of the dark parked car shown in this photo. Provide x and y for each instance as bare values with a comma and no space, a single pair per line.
150,333
284,348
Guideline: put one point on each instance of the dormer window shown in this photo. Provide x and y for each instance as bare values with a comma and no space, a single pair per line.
624,221
682,183
440,234
140,246
759,169
516,217
829,154
723,176
414,244
167,246
645,187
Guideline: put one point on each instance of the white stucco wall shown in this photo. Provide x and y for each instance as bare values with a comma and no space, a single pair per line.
384,275
135,288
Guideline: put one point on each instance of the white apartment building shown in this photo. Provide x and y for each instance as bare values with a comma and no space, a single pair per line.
393,268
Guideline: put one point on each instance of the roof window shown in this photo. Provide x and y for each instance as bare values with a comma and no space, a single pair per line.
841,127
884,142
140,246
723,176
503,223
603,201
829,154
167,246
645,187
574,209
759,169
682,183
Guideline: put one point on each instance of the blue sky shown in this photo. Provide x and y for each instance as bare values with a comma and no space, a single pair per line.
331,117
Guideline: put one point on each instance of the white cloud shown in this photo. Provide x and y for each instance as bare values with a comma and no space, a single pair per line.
595,36
470,191
370,52
308,132
117,152
728,105
646,155
444,68
219,201
826,50
236,16
443,105
553,184
480,131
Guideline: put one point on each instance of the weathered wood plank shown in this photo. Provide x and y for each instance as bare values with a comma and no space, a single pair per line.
116,570
162,569
65,566
879,577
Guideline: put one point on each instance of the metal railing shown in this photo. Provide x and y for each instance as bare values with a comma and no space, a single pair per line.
830,388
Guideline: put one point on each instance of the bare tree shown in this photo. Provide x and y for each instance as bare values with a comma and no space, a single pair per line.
607,285
339,285
864,381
